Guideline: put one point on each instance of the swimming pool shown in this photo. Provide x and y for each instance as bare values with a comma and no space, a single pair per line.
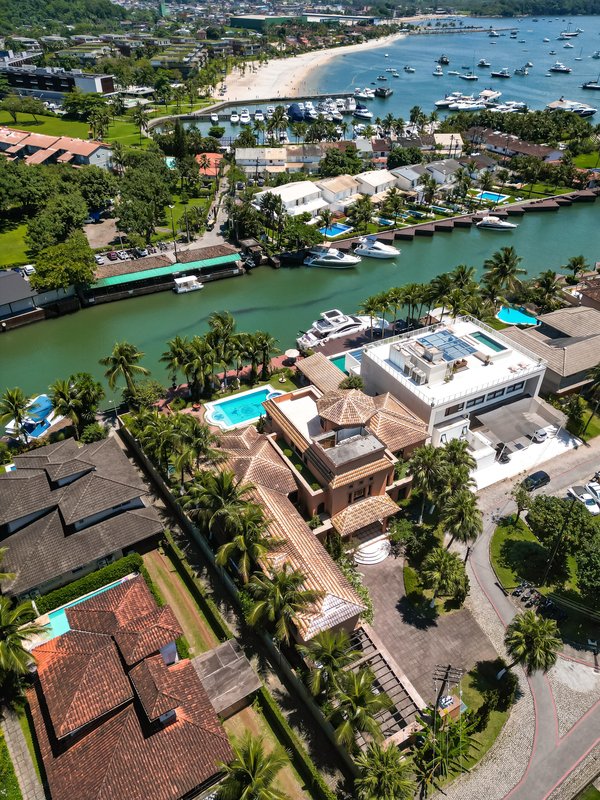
241,409
340,360
335,229
170,161
492,197
40,408
483,338
39,417
515,316
59,623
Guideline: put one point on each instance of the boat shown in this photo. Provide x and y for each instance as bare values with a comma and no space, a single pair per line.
330,257
214,118
596,54
513,34
493,34
495,224
559,67
467,105
234,118
383,91
592,85
552,52
259,116
364,94
245,117
545,39
469,76
573,106
568,46
453,72
295,112
350,104
449,98
489,95
381,78
362,112
501,73
521,71
340,104
579,57
270,112
409,69
438,71
483,63
371,247
529,65
310,115
188,283
443,60
334,324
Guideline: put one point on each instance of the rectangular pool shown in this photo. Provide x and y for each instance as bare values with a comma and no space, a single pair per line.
492,197
340,360
486,340
59,623
335,229
241,409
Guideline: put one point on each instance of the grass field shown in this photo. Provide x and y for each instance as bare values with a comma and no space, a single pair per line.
12,244
9,786
593,429
587,161
52,126
591,793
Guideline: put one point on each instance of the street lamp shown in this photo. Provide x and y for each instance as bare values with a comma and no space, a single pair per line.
173,229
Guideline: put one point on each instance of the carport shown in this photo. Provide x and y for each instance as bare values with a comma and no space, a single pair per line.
514,424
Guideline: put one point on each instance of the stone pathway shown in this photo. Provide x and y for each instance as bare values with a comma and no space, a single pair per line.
31,788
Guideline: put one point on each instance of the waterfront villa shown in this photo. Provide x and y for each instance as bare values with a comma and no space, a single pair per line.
39,148
262,161
508,145
116,714
411,176
375,181
448,144
337,191
68,509
298,198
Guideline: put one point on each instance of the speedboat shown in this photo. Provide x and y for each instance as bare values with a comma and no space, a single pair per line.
493,35
371,247
270,111
522,71
596,54
409,69
448,99
495,224
559,67
552,52
330,257
381,78
259,116
592,85
469,76
245,117
545,39
438,71
568,46
501,73
350,104
443,59
453,72
234,118
483,63
334,324
362,112
214,118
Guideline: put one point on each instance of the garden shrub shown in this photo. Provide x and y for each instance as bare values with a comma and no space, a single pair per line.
93,433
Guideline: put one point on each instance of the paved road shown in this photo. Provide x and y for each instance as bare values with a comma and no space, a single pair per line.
552,758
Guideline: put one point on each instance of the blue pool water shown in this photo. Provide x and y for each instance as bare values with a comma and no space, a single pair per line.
335,229
340,361
493,197
384,221
515,316
170,162
487,341
59,623
243,408
40,408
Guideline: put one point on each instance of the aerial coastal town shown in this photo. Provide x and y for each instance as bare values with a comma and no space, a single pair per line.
314,512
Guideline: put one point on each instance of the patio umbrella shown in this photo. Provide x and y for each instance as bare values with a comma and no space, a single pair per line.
292,353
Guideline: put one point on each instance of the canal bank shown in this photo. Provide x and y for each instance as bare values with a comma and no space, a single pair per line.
282,302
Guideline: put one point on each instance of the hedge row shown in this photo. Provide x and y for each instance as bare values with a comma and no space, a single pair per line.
300,758
197,590
89,583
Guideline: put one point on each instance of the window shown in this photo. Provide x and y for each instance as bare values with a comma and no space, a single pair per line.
493,395
516,387
476,401
454,409
358,494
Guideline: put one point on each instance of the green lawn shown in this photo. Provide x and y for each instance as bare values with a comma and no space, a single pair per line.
593,429
587,161
52,126
591,793
28,733
9,786
12,244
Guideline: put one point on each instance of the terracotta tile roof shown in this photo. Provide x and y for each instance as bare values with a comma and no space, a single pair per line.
40,156
364,512
82,679
154,686
395,425
214,159
204,253
107,612
79,147
321,372
113,268
253,459
346,407
361,472
146,635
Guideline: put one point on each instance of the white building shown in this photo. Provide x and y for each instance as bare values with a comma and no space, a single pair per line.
375,181
443,172
409,177
337,191
448,144
261,160
447,371
298,198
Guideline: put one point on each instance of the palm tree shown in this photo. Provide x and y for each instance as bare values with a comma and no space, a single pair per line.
16,627
253,351
13,406
222,328
361,211
577,265
463,277
395,300
426,465
392,205
175,357
267,345
429,187
461,517
385,774
533,642
441,286
457,301
357,708
216,500
140,117
251,774
123,362
280,598
67,402
443,572
456,454
193,443
329,653
250,541
594,377
325,218
441,750
370,308
547,291
486,181
197,365
503,269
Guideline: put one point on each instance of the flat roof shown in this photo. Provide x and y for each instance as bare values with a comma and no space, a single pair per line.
134,277
226,674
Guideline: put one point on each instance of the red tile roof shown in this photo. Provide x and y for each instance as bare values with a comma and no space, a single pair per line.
109,611
145,635
154,686
214,159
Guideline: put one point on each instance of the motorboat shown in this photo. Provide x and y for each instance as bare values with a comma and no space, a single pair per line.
438,71
575,107
340,104
409,69
187,283
364,94
443,59
453,72
552,52
259,116
350,104
214,118
523,71
568,46
596,54
381,78
371,247
560,67
489,95
310,115
513,34
463,105
362,112
295,112
501,73
334,324
469,76
234,118
270,112
245,117
529,65
545,39
495,224
592,85
330,257
383,91
449,98
483,63
493,34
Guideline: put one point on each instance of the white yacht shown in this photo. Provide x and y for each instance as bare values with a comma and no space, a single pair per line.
371,247
362,112
408,68
270,111
245,117
483,63
334,324
214,118
234,118
350,104
495,223
324,256
259,116
523,71
545,39
438,71
188,283
559,67
449,98
469,76
501,73
453,72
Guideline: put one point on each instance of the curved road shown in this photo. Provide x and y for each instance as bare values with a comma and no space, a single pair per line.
552,757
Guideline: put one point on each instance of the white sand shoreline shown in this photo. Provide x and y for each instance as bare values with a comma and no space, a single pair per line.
287,77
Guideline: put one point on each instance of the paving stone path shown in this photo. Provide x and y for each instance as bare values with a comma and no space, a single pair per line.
31,788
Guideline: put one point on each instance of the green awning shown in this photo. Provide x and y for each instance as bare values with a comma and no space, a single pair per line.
134,277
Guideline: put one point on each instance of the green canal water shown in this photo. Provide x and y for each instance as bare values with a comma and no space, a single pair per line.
282,302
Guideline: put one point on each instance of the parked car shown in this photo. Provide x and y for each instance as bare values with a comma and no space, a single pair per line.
591,503
536,480
541,435
122,254
140,252
99,260
28,269
594,489
112,256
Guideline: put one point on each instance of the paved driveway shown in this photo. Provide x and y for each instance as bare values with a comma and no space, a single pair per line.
418,645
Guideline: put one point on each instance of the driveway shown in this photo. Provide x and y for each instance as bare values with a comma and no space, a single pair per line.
416,644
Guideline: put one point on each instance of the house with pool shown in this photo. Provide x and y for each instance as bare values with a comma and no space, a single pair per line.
68,509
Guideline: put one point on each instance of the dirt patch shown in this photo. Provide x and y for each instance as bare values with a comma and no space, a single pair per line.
102,234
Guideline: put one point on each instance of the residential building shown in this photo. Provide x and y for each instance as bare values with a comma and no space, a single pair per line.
508,145
17,296
53,83
211,170
409,178
375,181
298,198
337,191
587,291
115,713
448,144
448,371
39,148
261,160
569,341
67,509
258,22
477,164
444,171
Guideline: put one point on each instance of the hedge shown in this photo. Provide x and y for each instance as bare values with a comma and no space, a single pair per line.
9,786
89,583
300,758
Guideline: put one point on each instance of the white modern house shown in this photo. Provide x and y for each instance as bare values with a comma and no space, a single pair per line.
260,160
298,198
448,144
337,191
448,371
444,171
409,177
375,181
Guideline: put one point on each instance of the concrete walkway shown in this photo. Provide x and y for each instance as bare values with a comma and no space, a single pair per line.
29,783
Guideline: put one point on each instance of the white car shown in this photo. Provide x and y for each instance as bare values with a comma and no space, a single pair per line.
540,435
594,489
122,254
99,260
581,494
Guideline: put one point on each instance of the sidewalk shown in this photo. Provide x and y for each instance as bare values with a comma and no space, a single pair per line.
31,788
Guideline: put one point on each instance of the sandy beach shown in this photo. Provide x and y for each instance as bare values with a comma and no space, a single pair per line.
287,77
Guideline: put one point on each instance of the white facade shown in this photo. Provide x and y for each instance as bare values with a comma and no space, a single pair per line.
375,181
446,371
409,177
336,191
298,198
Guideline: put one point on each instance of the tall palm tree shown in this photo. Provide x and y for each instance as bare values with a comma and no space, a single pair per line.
426,465
429,187
463,277
441,286
222,328
457,301
328,653
252,773
198,358
193,444
123,362
533,642
486,181
393,203
250,541
503,268
279,599
441,751
361,211
140,118
370,308
385,774
16,627
268,348
216,500
253,351
13,406
461,517
395,300
547,291
577,265
456,454
357,707
325,218
67,402
175,356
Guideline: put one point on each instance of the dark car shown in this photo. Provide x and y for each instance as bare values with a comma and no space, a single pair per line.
536,480
112,256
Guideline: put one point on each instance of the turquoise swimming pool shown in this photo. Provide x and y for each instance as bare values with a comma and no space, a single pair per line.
492,197
59,623
335,229
483,338
515,316
241,409
340,361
